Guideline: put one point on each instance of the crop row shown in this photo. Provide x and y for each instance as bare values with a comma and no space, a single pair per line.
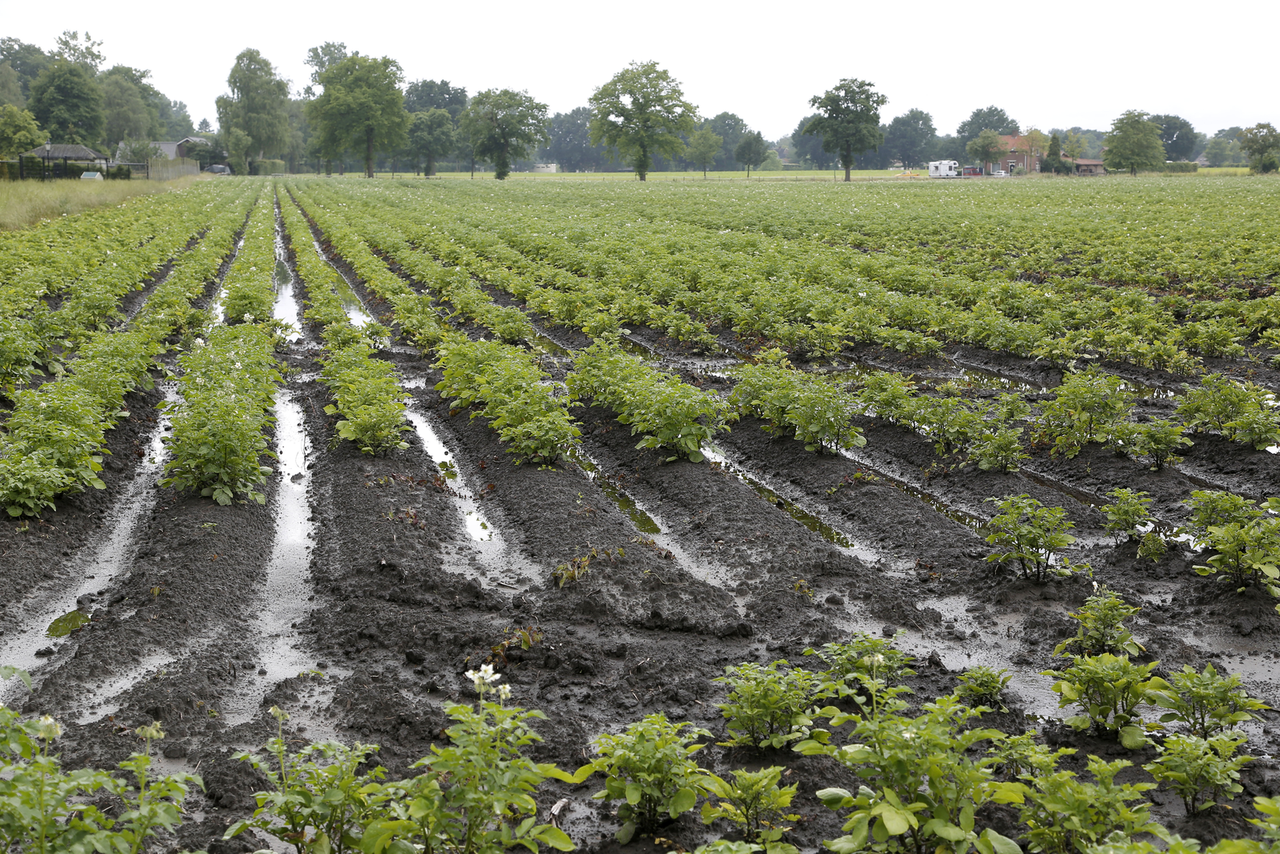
228,379
366,391
54,438
62,281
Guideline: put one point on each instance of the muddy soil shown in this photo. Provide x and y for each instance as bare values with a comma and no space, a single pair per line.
365,587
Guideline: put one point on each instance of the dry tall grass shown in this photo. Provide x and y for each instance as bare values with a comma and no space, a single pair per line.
25,203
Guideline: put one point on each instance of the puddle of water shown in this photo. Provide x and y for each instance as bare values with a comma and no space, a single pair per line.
283,602
97,565
286,305
795,511
642,520
478,527
351,304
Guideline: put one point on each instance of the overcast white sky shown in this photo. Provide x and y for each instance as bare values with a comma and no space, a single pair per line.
1046,64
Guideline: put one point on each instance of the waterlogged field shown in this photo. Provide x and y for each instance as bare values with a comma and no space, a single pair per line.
963,493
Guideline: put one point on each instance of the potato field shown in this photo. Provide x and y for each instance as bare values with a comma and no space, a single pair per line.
928,516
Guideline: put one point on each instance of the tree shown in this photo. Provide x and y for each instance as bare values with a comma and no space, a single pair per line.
18,132
909,138
11,87
1262,145
431,136
1178,136
986,148
641,112
1053,161
205,127
987,118
321,59
257,105
425,95
73,50
139,151
361,107
67,103
126,114
731,128
752,151
25,59
1133,143
848,120
569,142
704,146
502,126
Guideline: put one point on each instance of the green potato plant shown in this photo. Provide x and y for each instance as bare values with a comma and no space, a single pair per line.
1028,532
769,705
1128,511
1066,814
1109,689
1207,702
1201,771
756,804
1102,629
649,767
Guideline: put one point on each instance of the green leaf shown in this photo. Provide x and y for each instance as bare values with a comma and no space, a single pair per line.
1132,737
683,801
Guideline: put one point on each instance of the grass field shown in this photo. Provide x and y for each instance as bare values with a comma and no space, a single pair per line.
24,203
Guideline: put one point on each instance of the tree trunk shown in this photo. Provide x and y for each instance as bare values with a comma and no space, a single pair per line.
431,165
368,154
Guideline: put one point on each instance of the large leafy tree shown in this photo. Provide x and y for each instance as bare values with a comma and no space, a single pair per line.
569,142
257,105
431,136
848,120
752,151
731,129
80,51
321,59
987,148
641,112
1262,145
1178,135
27,60
424,95
11,87
909,138
67,102
361,107
704,146
1133,143
501,126
18,132
987,118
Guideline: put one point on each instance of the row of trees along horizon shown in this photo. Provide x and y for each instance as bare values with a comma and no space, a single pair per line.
356,110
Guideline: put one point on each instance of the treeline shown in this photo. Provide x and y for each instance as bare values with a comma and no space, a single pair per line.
67,97
358,112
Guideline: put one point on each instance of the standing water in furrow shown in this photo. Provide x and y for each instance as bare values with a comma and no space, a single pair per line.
37,632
